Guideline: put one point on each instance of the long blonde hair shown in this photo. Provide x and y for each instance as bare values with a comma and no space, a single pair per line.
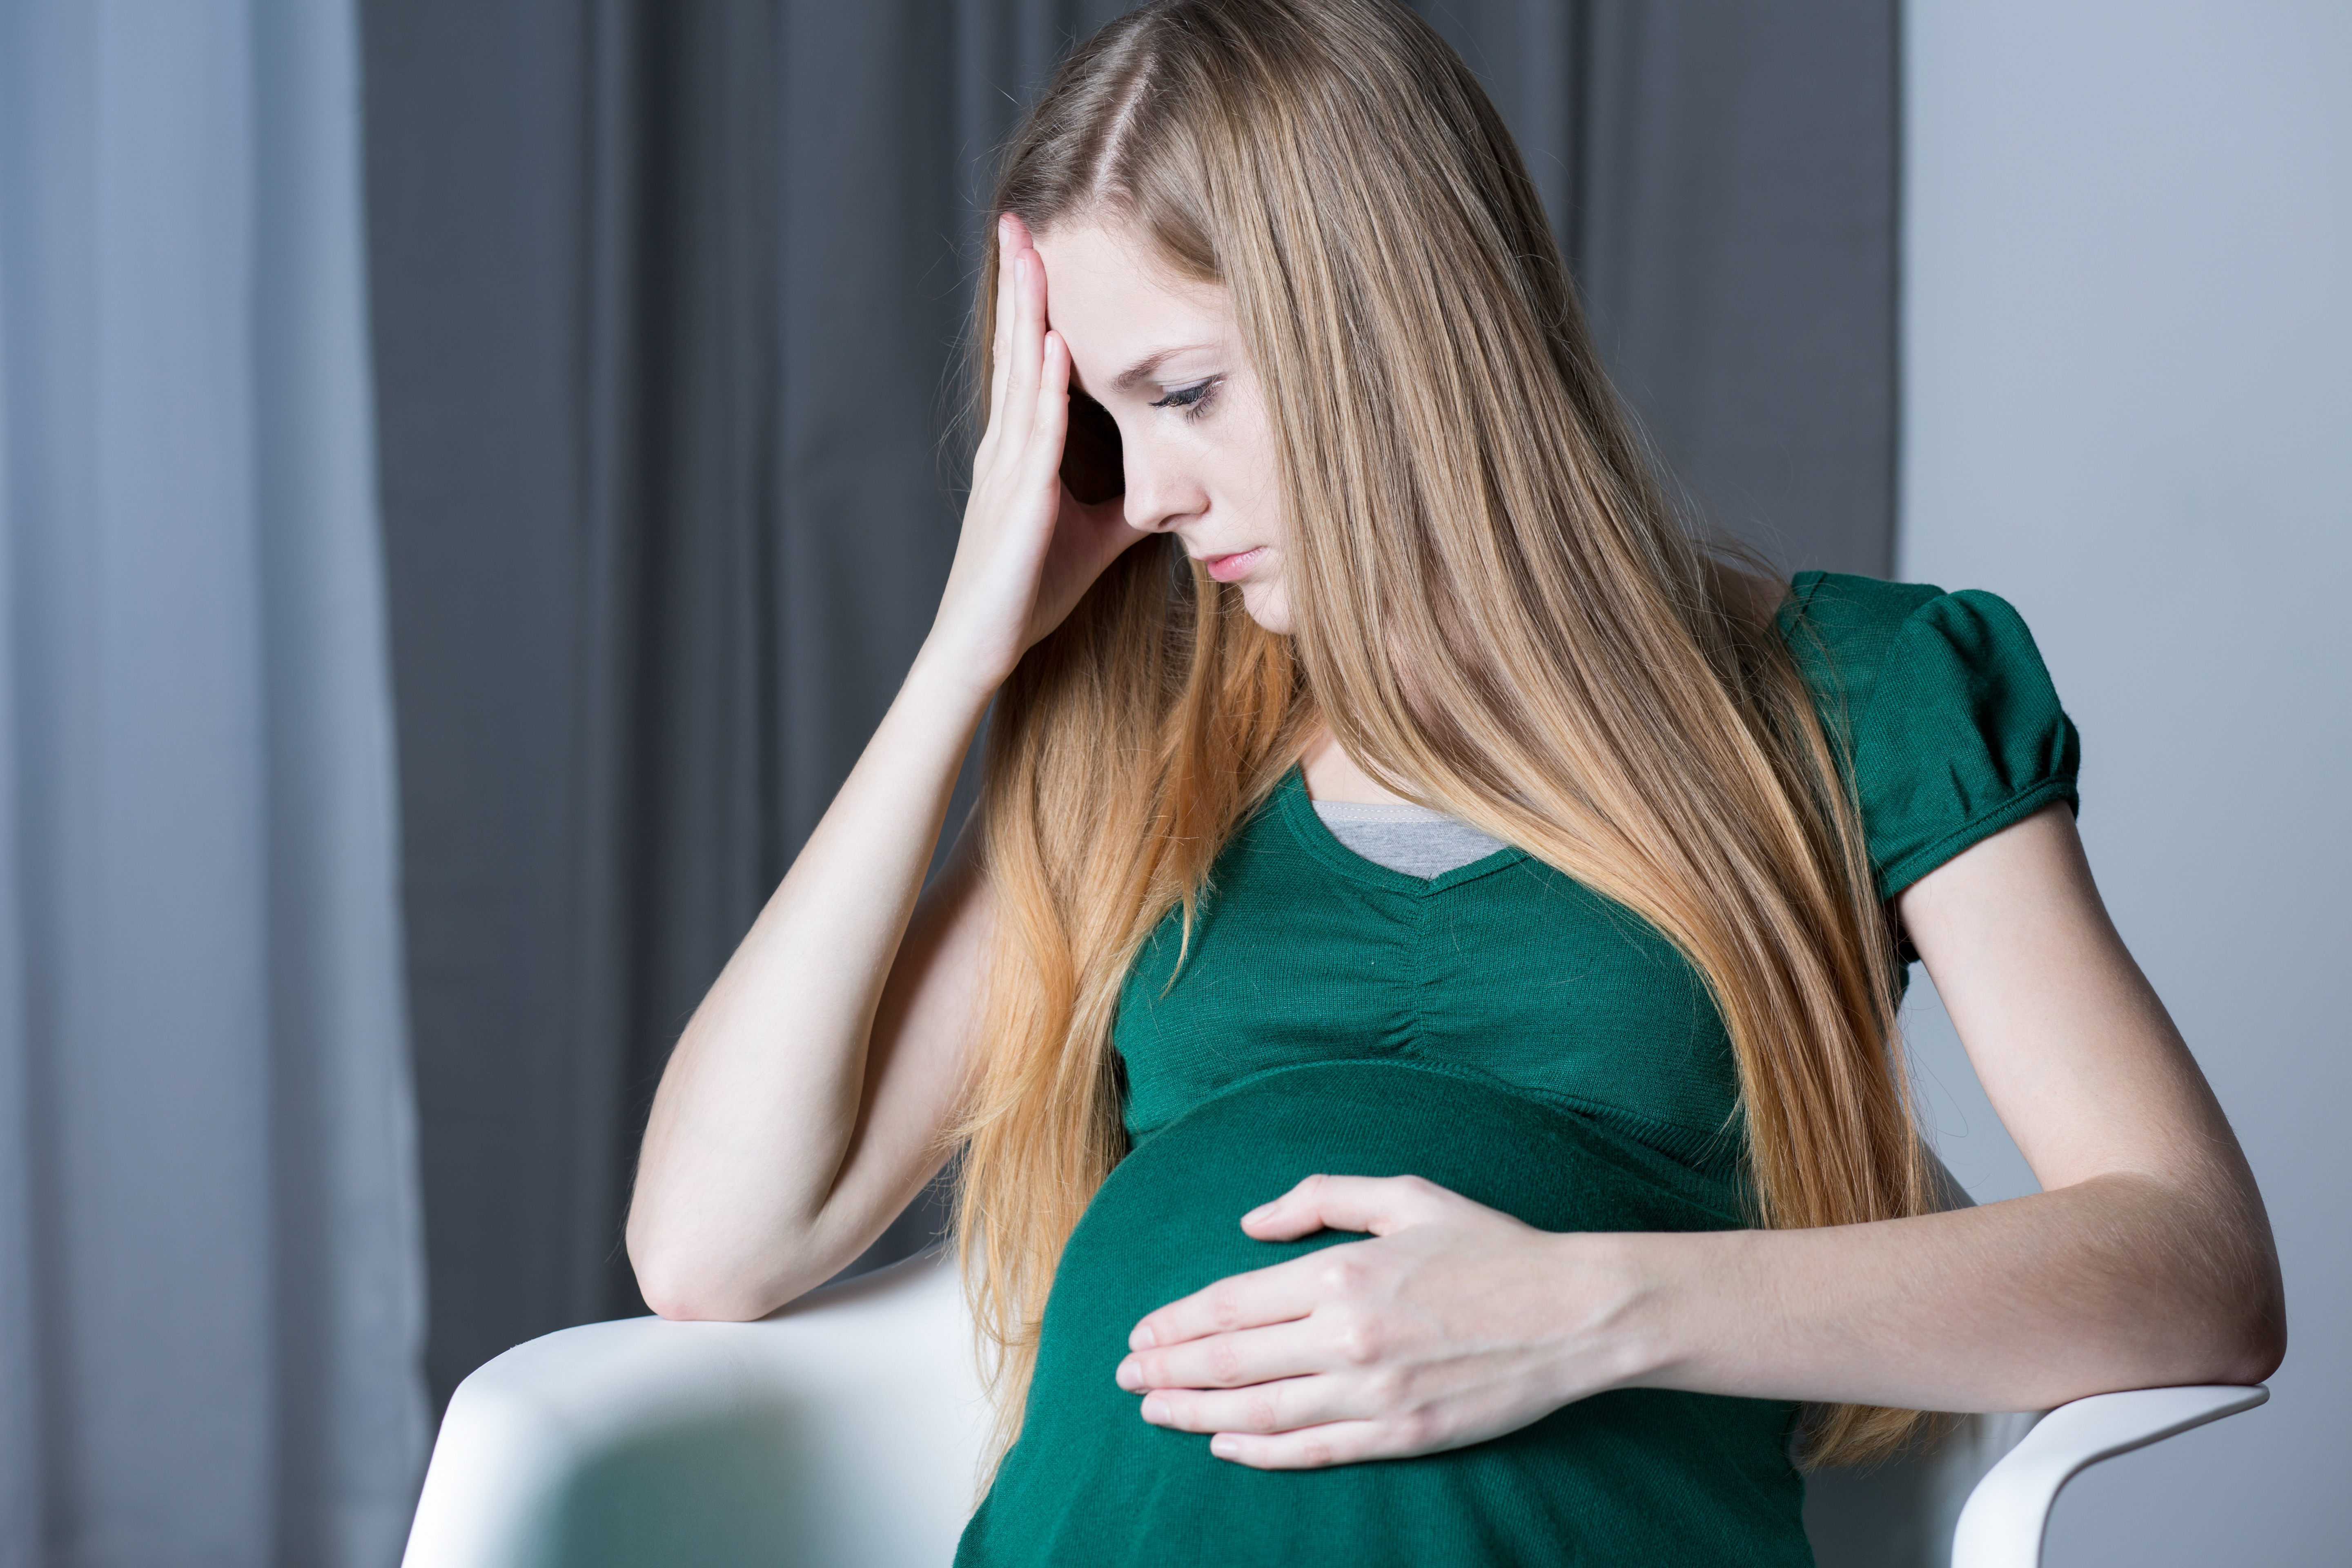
1497,611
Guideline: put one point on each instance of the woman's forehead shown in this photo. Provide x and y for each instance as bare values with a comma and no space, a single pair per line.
1127,317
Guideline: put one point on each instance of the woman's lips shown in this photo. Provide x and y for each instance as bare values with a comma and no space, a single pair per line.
1234,567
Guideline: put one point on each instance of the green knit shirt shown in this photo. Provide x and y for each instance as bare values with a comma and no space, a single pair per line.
1508,1033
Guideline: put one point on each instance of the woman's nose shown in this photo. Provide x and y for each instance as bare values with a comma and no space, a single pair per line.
1160,493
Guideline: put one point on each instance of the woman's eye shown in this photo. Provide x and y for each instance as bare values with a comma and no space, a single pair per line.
1193,400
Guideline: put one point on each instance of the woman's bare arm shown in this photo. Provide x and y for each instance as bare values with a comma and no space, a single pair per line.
805,1102
2146,1259
803,1105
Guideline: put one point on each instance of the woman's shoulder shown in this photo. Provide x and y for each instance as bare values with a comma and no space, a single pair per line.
1831,619
1941,707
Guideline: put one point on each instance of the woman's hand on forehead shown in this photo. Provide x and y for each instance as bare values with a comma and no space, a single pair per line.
1029,549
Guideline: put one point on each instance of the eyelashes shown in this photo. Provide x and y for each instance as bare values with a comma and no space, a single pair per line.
1191,401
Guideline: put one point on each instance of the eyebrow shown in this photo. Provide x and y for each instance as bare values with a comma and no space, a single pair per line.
1149,365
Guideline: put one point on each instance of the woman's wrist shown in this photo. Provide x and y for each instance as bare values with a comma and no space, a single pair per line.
1627,1309
949,675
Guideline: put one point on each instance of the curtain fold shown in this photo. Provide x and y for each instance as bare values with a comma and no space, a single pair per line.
211,1303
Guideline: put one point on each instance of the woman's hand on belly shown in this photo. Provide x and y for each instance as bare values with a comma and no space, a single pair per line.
1454,1323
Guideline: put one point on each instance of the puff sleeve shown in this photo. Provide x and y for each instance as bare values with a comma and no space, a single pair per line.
1945,710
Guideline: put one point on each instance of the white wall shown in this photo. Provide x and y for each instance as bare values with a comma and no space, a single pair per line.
2127,330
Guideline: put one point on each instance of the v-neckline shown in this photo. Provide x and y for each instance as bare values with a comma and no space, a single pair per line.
1307,824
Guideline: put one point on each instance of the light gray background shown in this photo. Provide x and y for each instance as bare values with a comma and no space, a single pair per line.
2127,348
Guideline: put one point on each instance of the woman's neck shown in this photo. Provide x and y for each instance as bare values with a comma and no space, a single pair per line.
1332,775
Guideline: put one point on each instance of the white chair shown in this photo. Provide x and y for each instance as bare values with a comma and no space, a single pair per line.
845,1430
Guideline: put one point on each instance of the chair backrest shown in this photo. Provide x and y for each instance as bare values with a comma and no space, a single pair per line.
1901,1514
848,1427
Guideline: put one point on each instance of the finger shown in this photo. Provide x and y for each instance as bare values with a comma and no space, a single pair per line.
1295,1349
1286,1404
1000,348
1307,1447
1379,1204
1028,337
1049,424
1280,1294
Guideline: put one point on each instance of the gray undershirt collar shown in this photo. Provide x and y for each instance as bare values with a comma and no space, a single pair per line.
1410,840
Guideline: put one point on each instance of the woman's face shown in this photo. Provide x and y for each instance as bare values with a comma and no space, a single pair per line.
1162,355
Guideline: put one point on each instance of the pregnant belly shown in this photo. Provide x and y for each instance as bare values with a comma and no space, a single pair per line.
1631,1477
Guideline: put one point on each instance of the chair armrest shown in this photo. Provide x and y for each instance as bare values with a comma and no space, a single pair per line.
2008,1514
846,1428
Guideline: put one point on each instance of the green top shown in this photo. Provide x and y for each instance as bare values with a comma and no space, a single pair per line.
1508,1033
1510,970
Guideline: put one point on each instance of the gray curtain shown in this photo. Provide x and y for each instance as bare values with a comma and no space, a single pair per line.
665,300
211,1293
1722,177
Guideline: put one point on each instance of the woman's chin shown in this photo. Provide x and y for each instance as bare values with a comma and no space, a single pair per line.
1268,605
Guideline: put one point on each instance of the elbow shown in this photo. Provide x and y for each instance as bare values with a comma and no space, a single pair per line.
2243,1336
687,1296
2258,1343
689,1307
2239,1359
689,1286
2256,1332
2242,1328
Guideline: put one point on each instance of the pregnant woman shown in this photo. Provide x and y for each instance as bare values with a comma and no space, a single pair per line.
1415,1002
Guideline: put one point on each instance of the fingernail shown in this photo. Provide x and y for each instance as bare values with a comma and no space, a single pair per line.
1128,1377
1143,1338
1258,1213
1224,1445
1155,1410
